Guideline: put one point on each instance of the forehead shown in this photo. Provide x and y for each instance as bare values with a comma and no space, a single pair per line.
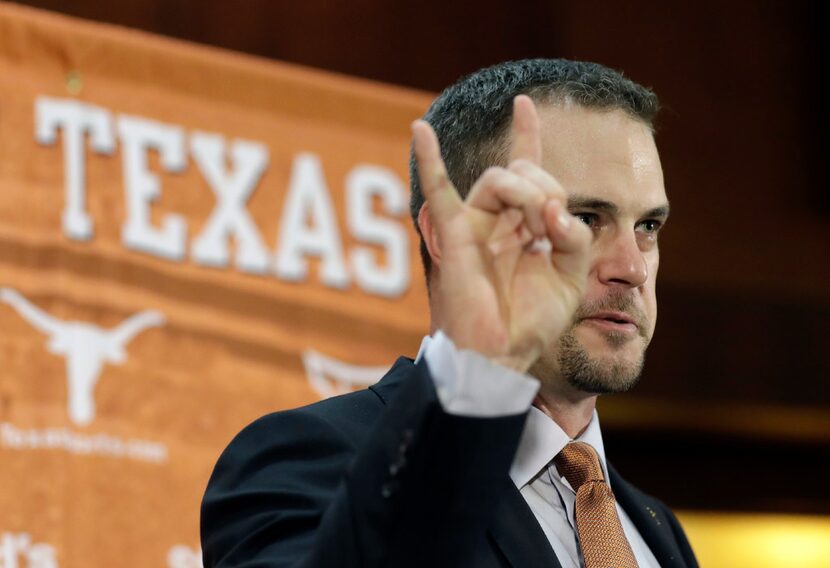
602,154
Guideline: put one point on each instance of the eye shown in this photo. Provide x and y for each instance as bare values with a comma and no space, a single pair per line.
590,219
649,226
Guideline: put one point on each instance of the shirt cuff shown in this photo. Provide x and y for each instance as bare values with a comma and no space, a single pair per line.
469,384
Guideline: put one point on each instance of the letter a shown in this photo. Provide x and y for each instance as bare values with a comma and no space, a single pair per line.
307,198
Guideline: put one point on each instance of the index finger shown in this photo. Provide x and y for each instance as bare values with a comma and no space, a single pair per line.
525,131
444,200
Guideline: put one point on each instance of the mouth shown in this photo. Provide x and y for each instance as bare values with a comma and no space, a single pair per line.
613,321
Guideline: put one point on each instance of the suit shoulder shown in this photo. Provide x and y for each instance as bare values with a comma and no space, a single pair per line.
351,414
339,417
283,449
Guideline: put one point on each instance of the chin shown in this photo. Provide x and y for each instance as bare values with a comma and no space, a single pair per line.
601,363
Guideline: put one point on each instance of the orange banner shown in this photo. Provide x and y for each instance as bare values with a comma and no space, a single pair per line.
189,239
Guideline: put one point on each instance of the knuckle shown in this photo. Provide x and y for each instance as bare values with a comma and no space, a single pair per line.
493,174
522,166
540,176
538,196
555,189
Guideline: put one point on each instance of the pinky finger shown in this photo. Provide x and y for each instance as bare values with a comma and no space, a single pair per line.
565,230
571,239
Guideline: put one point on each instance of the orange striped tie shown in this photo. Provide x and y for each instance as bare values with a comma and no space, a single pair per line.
601,535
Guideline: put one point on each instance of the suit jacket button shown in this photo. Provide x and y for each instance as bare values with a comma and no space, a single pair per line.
395,468
388,489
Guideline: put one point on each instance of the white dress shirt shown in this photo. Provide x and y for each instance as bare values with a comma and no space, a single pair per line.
469,384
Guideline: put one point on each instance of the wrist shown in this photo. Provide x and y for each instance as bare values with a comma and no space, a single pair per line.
519,362
497,351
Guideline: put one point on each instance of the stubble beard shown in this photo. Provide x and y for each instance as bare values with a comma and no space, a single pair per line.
609,372
592,374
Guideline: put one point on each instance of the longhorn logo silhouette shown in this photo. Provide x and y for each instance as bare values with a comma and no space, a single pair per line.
85,346
330,377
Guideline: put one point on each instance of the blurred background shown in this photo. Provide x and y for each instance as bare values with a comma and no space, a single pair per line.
735,398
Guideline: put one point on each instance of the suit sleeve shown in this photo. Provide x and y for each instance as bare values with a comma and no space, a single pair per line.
292,490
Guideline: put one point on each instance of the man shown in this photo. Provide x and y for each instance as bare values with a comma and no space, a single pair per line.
538,194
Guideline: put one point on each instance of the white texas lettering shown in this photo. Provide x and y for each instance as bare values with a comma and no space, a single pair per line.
363,184
18,551
308,226
74,119
232,191
181,556
138,135
308,200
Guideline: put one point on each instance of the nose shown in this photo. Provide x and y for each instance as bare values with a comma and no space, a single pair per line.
621,263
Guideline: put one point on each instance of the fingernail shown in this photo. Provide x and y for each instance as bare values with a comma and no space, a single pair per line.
564,220
541,245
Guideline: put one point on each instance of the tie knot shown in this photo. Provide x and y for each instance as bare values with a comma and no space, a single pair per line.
578,463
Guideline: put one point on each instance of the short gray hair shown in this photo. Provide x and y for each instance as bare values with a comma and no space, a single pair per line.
472,116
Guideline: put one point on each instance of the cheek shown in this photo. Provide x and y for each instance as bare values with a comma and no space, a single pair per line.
655,263
650,289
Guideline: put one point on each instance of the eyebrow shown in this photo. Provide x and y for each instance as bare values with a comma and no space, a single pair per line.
582,202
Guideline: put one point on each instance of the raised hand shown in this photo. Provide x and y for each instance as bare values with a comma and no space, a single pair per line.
513,262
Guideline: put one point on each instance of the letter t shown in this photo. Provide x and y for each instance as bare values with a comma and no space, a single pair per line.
76,119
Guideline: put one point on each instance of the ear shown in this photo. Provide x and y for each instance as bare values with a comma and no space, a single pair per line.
429,235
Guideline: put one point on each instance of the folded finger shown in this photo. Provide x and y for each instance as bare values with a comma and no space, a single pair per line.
541,178
571,239
498,189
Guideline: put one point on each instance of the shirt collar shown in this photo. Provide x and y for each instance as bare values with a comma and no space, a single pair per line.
543,439
422,349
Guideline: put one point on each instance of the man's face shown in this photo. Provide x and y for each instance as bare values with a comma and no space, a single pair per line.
608,164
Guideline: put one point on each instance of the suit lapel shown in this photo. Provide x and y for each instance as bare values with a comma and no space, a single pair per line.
516,533
391,381
647,516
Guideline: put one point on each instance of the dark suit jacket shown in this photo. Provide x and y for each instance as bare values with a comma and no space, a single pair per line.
385,477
